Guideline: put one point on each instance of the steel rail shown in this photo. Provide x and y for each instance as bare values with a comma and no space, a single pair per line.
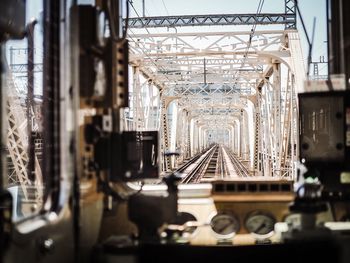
197,172
201,170
221,171
240,168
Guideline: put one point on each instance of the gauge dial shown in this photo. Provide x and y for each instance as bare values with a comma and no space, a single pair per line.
260,223
225,224
183,218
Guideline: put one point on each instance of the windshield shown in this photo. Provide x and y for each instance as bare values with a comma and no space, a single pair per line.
221,92
23,101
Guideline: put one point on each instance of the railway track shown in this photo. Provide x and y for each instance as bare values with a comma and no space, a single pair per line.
240,168
199,167
215,163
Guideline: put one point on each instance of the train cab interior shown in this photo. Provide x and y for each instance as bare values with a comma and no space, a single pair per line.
132,137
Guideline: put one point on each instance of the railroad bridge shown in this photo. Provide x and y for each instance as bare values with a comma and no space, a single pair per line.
216,86
228,79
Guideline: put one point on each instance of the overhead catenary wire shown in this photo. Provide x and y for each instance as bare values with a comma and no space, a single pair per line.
133,7
258,11
166,9
148,14
143,48
310,42
251,35
144,51
154,7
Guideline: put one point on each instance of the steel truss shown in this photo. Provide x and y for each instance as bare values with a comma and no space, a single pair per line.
212,20
23,68
185,60
227,83
17,146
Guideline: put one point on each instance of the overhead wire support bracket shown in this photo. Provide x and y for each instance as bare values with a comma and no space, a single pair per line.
290,9
212,20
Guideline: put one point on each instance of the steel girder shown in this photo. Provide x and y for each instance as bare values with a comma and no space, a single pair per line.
211,74
290,8
212,20
22,68
17,145
185,44
215,111
212,101
193,63
241,87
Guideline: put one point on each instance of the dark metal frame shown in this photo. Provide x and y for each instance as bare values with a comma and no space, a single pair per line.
338,30
51,104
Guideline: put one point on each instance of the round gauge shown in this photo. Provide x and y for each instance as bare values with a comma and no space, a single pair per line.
225,224
183,218
260,223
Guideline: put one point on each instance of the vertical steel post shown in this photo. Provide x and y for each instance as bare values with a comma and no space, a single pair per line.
290,9
338,38
30,99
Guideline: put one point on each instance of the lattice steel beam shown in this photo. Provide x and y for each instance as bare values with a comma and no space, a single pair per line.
211,20
215,111
176,62
216,120
209,89
23,68
290,9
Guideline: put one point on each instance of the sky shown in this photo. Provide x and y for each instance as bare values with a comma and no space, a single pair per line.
309,10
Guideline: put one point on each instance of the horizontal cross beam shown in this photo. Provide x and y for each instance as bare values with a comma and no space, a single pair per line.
23,68
211,20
